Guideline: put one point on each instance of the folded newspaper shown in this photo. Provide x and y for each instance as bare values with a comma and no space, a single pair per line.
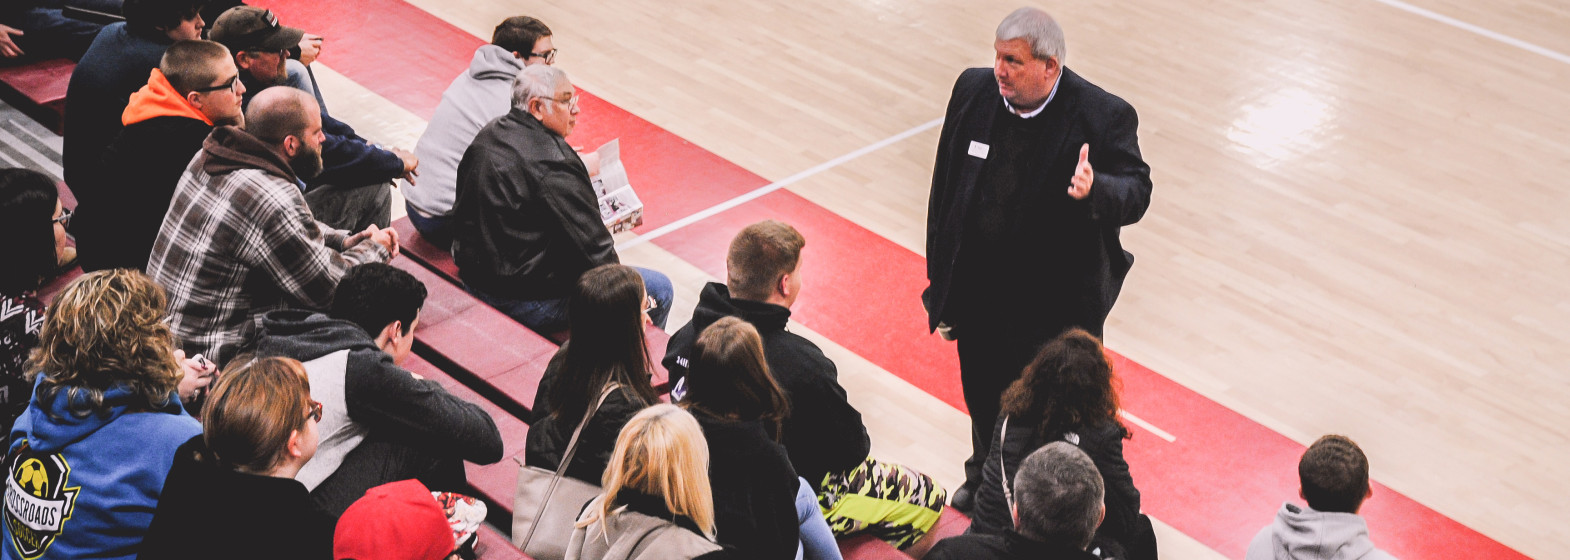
620,208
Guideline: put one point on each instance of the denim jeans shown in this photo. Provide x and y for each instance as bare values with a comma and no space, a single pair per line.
437,230
549,316
300,77
817,541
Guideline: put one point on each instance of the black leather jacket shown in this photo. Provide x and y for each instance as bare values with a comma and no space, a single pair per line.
527,220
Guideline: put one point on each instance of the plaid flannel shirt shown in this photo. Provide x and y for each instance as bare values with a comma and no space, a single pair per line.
234,246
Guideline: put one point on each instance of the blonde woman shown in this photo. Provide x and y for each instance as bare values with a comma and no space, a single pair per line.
657,503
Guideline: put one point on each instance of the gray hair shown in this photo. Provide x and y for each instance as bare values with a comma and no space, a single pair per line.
540,80
1037,28
1058,495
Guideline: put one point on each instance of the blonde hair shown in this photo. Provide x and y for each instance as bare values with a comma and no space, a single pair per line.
660,452
107,329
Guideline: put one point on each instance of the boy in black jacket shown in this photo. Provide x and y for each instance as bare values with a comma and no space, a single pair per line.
824,434
195,87
380,422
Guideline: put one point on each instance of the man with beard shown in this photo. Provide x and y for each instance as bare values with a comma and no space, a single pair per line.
354,187
238,240
194,88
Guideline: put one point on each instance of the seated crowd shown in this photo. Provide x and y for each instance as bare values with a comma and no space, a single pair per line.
227,378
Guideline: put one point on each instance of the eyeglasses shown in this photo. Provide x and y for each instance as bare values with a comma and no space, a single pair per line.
232,85
316,411
549,56
65,218
571,101
650,304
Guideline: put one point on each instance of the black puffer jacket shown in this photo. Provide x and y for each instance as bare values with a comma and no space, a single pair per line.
824,433
549,434
527,221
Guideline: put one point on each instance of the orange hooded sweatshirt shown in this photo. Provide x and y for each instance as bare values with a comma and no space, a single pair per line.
159,99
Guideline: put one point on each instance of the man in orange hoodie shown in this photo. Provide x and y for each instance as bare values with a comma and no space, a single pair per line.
195,87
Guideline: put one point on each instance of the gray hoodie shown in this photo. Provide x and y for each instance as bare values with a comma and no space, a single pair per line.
480,95
365,395
1301,533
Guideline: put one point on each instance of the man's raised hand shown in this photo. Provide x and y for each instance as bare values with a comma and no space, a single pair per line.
1084,176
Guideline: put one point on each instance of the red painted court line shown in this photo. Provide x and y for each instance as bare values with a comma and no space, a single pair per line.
863,291
1226,476
391,47
1219,482
409,56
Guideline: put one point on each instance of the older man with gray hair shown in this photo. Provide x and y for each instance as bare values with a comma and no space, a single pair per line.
1057,505
527,221
1037,171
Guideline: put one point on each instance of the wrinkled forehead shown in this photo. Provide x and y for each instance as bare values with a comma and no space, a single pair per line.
564,87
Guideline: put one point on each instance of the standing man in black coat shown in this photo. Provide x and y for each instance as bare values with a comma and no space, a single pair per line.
1037,170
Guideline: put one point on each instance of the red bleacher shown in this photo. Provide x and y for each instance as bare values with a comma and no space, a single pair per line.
483,356
38,89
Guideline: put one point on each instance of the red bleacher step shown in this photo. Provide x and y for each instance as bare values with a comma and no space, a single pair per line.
42,84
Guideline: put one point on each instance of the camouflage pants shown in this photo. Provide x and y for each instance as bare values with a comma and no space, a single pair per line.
888,501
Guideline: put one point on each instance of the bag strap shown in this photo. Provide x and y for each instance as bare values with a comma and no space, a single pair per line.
1008,489
572,448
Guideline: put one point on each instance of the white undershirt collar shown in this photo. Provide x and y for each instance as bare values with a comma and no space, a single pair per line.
1044,104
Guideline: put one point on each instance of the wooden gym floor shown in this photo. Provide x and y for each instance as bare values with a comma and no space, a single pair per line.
1358,225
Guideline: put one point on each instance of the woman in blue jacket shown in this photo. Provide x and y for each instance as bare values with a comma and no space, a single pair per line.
88,457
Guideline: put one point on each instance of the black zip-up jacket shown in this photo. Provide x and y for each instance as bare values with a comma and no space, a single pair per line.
527,221
116,227
824,433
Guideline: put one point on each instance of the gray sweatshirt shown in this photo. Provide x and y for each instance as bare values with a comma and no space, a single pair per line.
364,393
1301,533
480,95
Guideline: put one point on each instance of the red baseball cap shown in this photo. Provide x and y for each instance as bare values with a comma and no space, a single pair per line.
394,521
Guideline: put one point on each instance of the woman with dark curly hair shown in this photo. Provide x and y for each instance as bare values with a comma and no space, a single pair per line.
1066,394
32,223
88,457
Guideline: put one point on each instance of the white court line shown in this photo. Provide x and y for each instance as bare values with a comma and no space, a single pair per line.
1489,33
1160,433
771,187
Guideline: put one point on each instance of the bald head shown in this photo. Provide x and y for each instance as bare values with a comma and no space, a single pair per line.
279,112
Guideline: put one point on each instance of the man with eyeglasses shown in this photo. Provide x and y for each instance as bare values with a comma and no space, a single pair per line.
476,97
353,190
195,87
526,222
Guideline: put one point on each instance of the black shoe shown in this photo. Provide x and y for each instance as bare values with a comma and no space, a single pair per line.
963,499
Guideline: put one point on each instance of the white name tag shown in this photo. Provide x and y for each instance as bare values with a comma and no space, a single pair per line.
977,149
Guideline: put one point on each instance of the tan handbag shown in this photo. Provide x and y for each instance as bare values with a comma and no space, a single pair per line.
546,504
